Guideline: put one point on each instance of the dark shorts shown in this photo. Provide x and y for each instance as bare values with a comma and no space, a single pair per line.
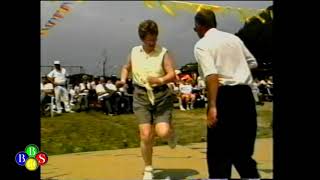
161,111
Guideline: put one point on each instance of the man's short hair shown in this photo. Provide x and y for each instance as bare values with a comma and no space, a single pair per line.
206,18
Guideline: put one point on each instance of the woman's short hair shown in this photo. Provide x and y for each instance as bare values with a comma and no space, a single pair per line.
148,27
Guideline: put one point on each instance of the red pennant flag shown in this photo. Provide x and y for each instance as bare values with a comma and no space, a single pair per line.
58,15
66,3
65,7
48,25
43,32
62,11
54,18
51,22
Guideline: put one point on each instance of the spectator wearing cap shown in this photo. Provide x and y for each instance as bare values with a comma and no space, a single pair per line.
58,76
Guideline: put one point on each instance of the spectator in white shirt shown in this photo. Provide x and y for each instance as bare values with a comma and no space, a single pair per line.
256,92
93,84
104,96
187,96
270,81
58,76
115,96
47,91
270,85
111,86
85,87
225,64
201,83
125,100
72,93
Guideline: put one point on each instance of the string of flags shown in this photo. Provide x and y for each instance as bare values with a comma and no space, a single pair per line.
61,12
171,8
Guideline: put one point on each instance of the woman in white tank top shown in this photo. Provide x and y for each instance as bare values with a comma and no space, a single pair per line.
151,68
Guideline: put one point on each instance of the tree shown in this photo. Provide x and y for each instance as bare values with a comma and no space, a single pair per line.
189,68
257,36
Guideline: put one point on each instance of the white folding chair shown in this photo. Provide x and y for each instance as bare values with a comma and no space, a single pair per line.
52,106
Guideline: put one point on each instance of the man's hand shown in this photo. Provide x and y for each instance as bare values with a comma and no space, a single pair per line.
212,116
119,84
154,80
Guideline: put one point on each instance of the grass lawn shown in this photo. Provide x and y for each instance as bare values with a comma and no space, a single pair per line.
92,131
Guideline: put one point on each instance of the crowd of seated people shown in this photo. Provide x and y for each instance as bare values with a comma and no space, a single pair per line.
189,92
102,93
262,90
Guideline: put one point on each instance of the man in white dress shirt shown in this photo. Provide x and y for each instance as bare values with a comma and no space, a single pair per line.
58,77
225,65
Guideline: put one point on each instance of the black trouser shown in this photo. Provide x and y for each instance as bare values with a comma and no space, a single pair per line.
115,100
107,105
127,100
232,141
84,99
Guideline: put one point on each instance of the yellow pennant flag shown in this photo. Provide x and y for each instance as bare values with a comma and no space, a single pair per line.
217,9
167,10
170,6
199,7
150,4
246,14
243,15
44,33
190,7
208,7
225,11
180,6
63,11
204,7
248,20
261,19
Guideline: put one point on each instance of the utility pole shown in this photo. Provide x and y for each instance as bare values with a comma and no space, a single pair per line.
104,66
105,55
